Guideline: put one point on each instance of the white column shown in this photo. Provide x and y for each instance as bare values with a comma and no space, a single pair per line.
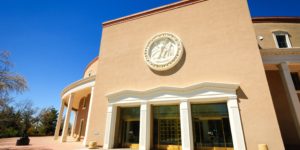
236,124
291,93
110,127
67,118
186,125
59,118
74,123
87,129
144,141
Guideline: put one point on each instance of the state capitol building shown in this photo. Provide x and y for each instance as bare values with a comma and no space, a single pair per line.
191,75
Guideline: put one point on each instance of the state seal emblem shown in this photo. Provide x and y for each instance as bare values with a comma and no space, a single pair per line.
163,51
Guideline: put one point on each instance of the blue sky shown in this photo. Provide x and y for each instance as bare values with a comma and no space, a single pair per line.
51,41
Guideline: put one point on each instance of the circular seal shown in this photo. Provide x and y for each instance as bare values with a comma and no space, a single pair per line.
163,51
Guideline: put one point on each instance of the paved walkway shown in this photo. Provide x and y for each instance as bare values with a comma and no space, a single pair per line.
41,143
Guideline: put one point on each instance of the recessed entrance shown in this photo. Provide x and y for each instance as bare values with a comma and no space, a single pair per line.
127,128
166,128
211,127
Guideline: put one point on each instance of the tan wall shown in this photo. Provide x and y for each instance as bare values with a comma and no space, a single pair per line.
82,114
266,30
91,68
220,46
285,119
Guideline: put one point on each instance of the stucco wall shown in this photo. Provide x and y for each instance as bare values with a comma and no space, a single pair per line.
220,46
266,30
82,114
91,68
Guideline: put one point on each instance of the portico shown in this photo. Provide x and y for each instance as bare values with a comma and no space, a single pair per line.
177,97
283,69
75,97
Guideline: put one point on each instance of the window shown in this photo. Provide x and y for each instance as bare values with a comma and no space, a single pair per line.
282,39
296,80
84,103
90,73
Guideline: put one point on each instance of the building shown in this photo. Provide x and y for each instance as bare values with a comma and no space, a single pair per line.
197,74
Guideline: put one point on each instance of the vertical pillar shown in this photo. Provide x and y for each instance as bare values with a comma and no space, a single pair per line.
186,125
59,118
291,93
87,127
74,123
67,119
144,141
236,124
110,127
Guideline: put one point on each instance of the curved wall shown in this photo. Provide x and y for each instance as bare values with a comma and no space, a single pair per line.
91,68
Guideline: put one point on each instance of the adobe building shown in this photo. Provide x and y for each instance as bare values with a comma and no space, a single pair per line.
192,75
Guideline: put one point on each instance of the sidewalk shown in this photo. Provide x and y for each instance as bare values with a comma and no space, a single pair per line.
41,143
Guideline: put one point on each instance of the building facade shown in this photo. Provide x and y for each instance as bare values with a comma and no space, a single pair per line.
198,74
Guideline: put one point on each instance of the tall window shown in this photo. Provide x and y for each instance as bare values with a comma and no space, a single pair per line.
282,39
84,103
296,80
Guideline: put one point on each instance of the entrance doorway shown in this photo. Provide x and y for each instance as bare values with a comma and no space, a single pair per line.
128,128
211,127
166,128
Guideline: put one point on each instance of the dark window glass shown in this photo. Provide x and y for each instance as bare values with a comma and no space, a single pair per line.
84,102
128,127
281,41
211,127
296,80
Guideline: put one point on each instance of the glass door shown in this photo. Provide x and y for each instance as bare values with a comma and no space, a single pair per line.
128,128
211,127
166,128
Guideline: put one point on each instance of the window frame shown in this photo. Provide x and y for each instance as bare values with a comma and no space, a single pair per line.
287,38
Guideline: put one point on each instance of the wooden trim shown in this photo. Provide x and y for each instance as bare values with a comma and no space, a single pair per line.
151,12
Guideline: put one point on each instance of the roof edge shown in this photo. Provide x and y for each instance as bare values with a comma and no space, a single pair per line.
151,12
277,19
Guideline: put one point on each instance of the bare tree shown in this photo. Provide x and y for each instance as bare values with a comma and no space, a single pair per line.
9,81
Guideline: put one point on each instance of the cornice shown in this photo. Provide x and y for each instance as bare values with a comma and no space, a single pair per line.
275,51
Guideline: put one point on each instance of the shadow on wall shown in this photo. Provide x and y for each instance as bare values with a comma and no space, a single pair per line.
240,94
